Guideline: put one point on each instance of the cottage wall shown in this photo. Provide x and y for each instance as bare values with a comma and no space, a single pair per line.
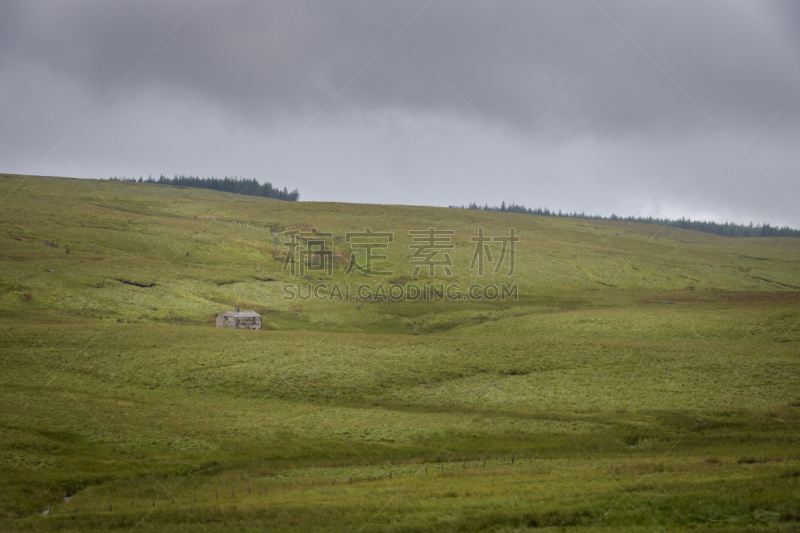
222,323
248,323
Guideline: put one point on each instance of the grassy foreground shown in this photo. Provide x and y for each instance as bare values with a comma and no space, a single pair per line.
636,383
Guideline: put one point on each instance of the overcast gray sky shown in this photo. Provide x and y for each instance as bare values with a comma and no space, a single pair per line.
672,108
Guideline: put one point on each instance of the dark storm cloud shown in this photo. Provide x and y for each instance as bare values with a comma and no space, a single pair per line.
693,80
510,61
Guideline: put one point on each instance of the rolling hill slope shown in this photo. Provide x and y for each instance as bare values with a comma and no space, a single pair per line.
143,251
626,381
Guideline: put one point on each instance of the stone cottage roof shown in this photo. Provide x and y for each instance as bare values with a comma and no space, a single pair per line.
243,314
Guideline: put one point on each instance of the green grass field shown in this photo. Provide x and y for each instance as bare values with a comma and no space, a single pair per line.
643,379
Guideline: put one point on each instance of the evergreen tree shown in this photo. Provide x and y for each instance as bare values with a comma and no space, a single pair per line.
250,187
727,229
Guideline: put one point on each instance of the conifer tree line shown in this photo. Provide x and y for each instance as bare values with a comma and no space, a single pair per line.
728,229
237,185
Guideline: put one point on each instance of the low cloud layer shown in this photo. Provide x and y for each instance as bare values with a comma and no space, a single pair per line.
667,108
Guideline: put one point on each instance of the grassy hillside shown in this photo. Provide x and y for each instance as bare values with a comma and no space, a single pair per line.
641,379
141,233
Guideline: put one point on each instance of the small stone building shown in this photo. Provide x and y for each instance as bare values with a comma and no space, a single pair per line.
239,320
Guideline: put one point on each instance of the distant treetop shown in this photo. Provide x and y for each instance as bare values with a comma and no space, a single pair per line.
728,229
236,185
